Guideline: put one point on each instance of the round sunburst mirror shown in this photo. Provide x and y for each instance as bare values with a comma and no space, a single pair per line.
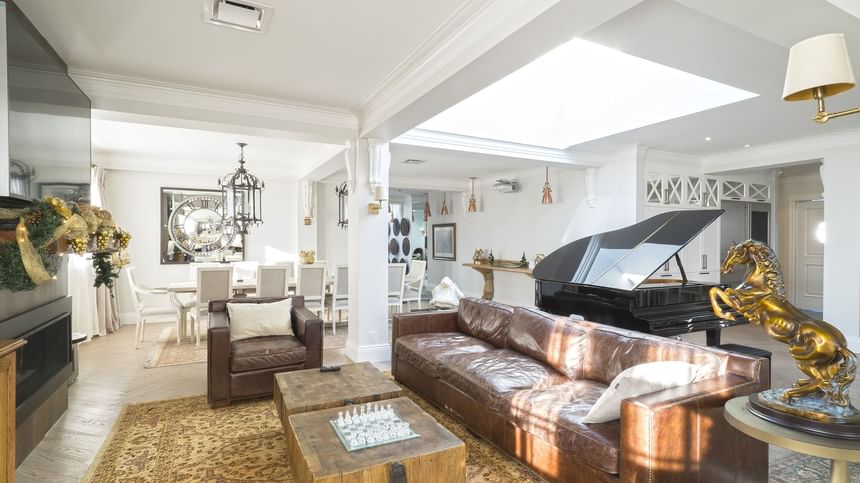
197,228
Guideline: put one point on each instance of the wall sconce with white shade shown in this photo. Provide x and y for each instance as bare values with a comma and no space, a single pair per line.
819,67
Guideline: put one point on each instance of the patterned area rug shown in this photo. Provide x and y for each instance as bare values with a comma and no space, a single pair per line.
801,468
184,440
168,353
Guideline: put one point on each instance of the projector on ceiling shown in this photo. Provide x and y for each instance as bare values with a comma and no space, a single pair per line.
506,186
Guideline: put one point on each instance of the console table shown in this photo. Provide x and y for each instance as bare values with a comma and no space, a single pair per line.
487,271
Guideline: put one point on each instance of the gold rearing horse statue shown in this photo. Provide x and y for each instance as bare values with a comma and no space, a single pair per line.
819,349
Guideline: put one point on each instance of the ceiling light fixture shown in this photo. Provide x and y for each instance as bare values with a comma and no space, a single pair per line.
547,190
708,138
819,67
238,14
473,202
746,145
242,196
444,210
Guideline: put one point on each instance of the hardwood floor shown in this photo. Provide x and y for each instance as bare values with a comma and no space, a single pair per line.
112,374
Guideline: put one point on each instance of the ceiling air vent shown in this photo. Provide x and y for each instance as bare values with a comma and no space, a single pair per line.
415,161
239,14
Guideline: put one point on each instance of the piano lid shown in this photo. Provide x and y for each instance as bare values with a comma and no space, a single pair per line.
625,258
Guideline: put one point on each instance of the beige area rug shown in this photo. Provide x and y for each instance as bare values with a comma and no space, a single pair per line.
184,440
168,353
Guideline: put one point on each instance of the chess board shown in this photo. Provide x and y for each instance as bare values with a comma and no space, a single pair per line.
367,426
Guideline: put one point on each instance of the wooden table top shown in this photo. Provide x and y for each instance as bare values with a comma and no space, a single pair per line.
310,389
326,457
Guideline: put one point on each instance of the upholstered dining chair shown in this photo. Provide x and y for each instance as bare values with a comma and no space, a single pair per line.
291,273
143,312
338,301
415,283
310,284
245,270
213,283
272,280
193,267
396,283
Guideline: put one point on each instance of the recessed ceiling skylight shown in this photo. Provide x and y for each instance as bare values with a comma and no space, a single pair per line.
579,92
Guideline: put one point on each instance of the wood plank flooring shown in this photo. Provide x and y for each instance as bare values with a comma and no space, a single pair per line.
112,374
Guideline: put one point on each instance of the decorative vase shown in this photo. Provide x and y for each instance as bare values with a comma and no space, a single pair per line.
307,257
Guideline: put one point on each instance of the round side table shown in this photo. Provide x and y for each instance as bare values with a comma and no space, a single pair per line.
839,451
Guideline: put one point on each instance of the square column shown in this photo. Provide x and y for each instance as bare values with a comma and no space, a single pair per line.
368,338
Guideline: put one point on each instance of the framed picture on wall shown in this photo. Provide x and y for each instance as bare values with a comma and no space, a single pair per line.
445,241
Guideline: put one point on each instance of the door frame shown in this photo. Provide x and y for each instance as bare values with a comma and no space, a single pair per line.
793,201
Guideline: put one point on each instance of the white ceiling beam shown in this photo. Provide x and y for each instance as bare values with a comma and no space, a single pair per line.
322,168
428,184
494,39
198,108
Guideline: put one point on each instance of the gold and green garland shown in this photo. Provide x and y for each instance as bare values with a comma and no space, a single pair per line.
44,230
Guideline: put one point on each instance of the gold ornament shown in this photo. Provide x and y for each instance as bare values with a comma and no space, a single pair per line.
818,348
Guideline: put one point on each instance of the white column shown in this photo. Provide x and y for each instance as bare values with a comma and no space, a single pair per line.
368,257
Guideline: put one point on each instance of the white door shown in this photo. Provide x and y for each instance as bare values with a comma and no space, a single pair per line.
809,237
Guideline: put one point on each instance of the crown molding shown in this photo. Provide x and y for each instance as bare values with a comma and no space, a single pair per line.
144,96
786,152
470,144
468,33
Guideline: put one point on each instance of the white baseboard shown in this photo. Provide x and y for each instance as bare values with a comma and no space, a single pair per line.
368,353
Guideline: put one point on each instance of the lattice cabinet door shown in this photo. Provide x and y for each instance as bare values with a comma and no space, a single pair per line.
674,189
654,188
759,192
693,190
733,190
710,192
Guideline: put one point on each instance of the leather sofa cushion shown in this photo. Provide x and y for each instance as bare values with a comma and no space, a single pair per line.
610,350
484,319
266,352
488,376
553,415
428,351
555,341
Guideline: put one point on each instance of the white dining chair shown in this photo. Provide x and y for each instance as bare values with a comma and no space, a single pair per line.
143,312
339,299
213,283
182,307
291,274
415,283
310,284
193,267
272,280
244,271
396,282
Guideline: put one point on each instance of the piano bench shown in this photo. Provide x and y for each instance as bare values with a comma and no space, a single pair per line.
751,351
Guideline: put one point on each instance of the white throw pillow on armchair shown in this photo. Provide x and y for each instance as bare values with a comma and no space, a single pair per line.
637,380
260,320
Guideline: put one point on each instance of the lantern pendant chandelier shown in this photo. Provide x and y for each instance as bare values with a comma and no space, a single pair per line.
547,190
241,197
473,202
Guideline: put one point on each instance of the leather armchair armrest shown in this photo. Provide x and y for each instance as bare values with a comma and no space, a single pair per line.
218,360
309,329
680,434
420,323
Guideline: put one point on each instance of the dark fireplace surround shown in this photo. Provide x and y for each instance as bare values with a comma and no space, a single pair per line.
43,365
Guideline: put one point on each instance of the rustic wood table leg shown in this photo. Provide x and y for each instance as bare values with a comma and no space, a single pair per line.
489,286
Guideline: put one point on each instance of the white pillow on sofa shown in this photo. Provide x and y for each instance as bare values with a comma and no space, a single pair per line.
259,320
638,380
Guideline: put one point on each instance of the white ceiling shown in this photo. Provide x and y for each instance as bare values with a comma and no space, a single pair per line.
130,146
324,52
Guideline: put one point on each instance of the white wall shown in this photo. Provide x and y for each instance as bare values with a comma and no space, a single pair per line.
802,183
331,239
133,197
510,224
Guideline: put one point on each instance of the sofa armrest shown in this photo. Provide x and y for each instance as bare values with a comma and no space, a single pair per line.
218,360
309,329
680,434
420,323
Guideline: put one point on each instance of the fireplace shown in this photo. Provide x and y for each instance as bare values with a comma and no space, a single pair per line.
44,366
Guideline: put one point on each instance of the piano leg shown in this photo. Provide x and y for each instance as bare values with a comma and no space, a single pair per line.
712,337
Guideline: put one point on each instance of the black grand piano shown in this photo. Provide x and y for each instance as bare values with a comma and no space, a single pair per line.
608,278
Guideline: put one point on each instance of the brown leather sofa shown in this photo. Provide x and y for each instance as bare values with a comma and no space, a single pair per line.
245,369
522,379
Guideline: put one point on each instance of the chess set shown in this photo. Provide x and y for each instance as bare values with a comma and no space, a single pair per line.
370,425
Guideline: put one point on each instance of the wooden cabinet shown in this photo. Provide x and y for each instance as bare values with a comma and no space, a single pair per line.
745,191
7,406
701,257
682,191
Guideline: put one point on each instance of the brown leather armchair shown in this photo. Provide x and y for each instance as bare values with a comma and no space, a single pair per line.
245,369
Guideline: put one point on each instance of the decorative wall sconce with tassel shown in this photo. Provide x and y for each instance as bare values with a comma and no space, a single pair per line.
308,201
427,212
473,202
444,210
547,190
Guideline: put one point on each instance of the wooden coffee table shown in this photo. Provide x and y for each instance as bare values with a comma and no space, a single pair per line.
317,455
311,390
